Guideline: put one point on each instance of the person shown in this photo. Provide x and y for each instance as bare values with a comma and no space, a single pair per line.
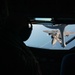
16,57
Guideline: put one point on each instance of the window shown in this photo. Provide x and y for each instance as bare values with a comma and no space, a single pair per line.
43,37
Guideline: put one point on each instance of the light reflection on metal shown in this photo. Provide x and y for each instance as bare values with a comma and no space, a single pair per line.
43,19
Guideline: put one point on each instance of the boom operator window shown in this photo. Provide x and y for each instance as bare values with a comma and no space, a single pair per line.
45,36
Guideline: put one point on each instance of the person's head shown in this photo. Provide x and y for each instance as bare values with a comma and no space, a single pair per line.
20,25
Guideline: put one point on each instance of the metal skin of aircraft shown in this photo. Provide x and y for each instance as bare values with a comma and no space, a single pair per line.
56,35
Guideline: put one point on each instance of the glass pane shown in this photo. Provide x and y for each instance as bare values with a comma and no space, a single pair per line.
40,39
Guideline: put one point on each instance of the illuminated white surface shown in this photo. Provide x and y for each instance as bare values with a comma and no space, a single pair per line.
43,19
